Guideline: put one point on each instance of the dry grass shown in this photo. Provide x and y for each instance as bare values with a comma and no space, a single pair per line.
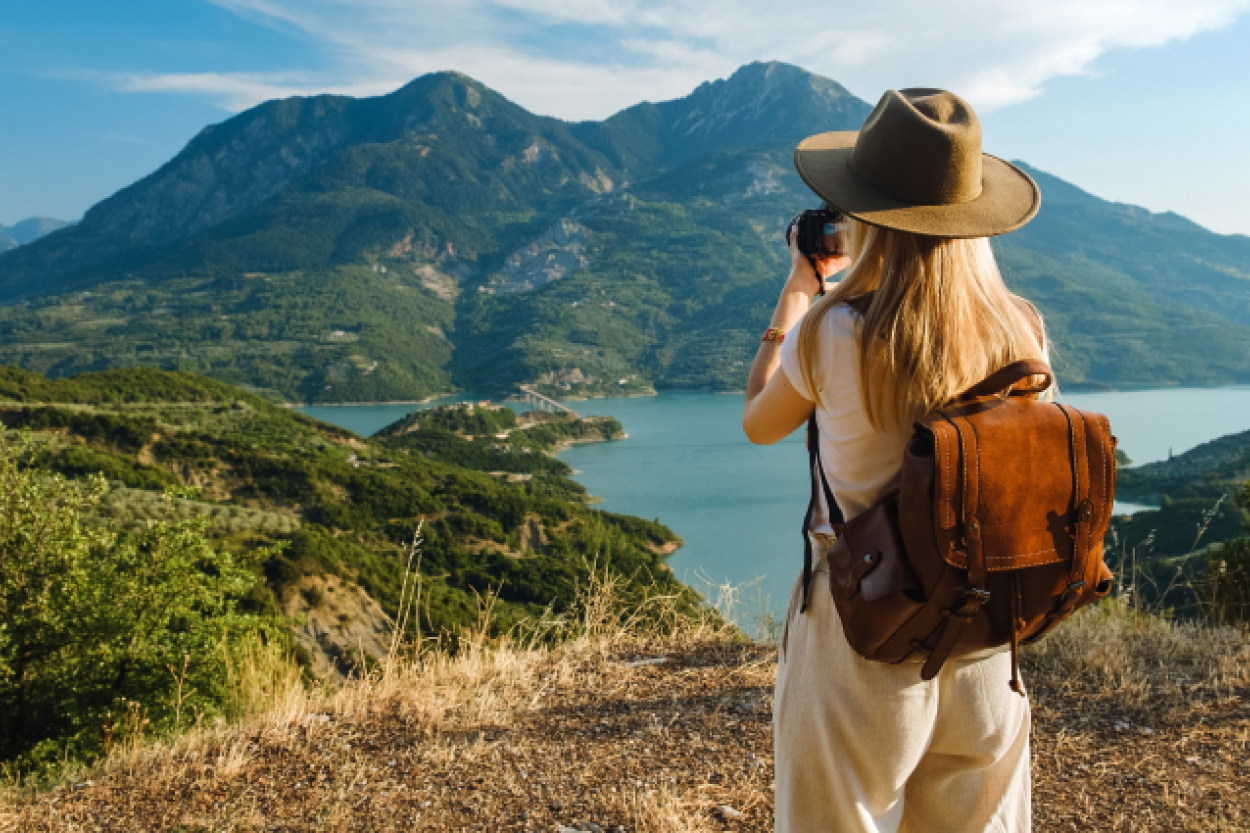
650,721
1141,723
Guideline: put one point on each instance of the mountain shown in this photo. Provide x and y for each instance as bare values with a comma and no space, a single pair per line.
409,145
441,237
761,105
28,230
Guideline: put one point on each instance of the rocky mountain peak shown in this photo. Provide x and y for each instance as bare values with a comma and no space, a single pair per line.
760,104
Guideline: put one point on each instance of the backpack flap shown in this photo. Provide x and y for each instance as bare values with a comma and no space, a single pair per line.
1044,480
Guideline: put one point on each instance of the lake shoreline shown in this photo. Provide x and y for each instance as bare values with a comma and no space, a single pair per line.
1073,389
737,507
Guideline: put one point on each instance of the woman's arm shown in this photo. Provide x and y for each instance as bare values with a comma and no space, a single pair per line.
773,407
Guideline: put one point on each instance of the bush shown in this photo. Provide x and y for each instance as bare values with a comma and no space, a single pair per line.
103,631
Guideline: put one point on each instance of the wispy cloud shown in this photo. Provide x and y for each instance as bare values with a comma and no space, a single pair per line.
589,58
237,90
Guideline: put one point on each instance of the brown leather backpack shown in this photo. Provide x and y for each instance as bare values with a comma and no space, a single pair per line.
993,537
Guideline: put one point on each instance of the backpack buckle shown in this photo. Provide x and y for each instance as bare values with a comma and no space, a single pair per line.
970,602
1074,587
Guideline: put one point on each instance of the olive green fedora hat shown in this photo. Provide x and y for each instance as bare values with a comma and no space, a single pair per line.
917,166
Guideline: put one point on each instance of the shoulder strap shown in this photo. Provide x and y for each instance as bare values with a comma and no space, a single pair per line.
816,471
836,518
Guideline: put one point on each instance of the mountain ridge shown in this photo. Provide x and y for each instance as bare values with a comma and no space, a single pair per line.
589,258
27,231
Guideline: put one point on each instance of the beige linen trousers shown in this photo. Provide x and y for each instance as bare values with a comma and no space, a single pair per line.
865,746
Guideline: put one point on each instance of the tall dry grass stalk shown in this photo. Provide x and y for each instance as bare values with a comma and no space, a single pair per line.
1148,665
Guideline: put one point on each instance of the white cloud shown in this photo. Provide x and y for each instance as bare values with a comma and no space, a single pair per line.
588,59
238,91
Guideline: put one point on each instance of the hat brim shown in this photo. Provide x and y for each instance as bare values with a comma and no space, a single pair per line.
1009,197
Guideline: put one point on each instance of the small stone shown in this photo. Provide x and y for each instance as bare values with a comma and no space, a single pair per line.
649,661
728,812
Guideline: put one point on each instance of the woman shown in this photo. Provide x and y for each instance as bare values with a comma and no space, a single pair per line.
860,745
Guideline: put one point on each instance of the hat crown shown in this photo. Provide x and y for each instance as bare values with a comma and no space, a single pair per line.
922,146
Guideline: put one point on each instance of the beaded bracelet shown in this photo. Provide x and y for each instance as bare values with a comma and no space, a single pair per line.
773,334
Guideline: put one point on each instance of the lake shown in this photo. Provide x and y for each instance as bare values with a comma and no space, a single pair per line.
739,507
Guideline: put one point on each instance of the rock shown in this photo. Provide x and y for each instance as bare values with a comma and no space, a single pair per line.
649,661
729,813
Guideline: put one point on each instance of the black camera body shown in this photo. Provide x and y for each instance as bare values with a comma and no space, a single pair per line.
817,232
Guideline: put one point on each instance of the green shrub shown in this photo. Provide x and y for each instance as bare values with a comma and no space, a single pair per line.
100,628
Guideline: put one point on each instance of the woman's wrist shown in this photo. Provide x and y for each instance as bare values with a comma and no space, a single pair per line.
791,307
803,282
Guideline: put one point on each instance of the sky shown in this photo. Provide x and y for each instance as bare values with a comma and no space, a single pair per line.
1138,101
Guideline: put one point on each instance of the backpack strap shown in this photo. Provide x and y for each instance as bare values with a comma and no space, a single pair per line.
836,519
1084,510
816,471
966,608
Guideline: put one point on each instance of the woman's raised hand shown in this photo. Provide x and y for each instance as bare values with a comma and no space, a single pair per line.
802,277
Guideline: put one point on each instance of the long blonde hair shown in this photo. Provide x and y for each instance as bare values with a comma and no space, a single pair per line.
941,319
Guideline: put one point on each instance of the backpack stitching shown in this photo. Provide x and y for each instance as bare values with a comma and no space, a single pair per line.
1106,480
946,464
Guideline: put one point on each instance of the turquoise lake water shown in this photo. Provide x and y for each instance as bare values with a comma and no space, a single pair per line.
739,507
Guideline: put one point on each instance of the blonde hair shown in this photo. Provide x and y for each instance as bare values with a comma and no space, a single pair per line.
941,319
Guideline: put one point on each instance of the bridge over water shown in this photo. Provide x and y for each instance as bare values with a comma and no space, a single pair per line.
545,403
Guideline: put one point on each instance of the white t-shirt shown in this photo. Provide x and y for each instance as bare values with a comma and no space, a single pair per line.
861,463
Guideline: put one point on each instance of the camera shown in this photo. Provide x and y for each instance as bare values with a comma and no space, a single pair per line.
818,234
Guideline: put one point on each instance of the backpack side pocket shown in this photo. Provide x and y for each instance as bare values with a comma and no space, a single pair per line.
873,586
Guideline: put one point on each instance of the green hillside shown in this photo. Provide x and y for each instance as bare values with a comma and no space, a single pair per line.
1203,497
342,506
1209,470
441,238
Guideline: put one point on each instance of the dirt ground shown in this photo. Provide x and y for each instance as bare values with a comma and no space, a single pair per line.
666,735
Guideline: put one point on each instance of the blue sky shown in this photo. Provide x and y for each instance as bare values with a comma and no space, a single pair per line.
1139,101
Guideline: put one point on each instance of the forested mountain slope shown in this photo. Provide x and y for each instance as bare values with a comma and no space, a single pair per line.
495,515
441,237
